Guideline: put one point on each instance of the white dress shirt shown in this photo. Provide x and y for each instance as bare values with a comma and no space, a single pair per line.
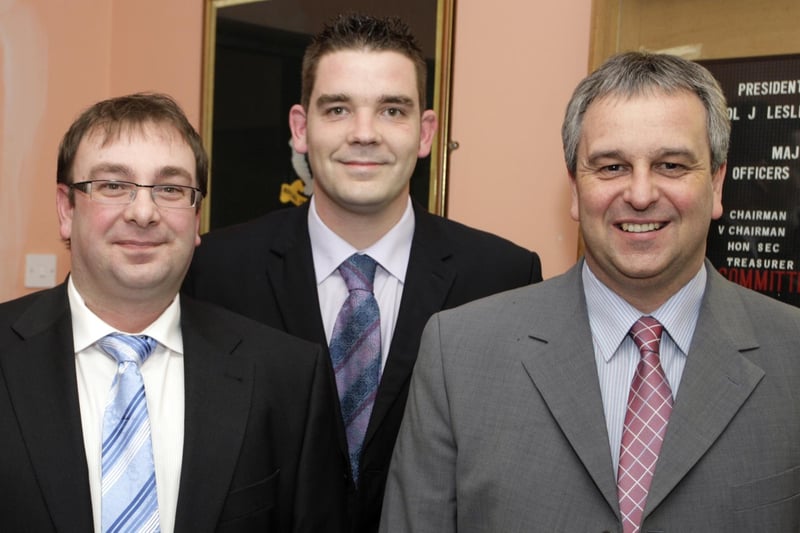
162,373
616,354
391,253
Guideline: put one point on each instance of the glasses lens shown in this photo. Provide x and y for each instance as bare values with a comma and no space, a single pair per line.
111,192
123,193
173,196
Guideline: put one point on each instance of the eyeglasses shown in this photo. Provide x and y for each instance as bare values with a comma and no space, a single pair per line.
112,192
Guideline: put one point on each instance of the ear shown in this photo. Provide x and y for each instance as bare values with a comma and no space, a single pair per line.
65,210
574,208
427,129
298,123
716,190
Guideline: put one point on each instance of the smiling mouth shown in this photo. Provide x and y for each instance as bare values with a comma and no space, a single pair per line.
362,163
138,244
640,228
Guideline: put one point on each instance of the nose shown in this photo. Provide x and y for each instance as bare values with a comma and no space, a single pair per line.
642,189
142,210
364,128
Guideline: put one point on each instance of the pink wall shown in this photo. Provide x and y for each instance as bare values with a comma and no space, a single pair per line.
157,45
55,61
515,67
57,57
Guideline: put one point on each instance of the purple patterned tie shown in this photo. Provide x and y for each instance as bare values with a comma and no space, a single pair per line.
649,407
356,352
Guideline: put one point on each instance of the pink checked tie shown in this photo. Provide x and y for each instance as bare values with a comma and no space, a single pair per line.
649,407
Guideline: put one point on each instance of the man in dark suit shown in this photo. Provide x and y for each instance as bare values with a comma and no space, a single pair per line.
236,427
363,124
640,391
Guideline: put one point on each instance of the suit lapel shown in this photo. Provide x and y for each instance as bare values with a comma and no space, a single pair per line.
428,281
562,366
717,380
290,269
42,385
218,388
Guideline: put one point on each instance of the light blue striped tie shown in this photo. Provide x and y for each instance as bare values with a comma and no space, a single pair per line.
129,502
356,352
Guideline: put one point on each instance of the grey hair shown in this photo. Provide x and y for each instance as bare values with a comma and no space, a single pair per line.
637,73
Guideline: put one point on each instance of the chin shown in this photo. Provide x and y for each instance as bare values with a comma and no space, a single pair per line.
142,280
365,206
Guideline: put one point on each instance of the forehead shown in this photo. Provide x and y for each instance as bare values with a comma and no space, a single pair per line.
139,147
105,135
361,71
654,118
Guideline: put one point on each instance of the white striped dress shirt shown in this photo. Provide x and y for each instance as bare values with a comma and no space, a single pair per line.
616,355
163,380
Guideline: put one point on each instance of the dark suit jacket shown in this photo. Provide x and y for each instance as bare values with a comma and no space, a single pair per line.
259,428
505,430
264,270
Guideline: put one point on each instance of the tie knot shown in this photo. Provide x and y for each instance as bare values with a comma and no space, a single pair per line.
646,333
127,348
358,272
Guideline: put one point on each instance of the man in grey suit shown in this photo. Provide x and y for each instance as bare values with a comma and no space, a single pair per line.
537,410
235,431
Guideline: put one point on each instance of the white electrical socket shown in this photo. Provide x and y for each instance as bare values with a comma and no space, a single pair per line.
40,271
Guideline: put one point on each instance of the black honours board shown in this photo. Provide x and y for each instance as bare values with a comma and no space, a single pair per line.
755,242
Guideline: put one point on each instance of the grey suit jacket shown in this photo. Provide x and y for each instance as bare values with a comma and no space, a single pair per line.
504,428
260,449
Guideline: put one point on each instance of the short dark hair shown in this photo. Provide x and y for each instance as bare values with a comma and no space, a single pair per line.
355,31
635,73
114,115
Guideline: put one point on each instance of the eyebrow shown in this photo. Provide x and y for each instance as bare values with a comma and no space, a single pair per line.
170,171
398,99
127,173
341,98
111,168
593,158
326,99
657,154
677,152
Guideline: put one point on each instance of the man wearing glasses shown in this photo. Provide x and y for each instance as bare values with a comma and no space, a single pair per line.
124,407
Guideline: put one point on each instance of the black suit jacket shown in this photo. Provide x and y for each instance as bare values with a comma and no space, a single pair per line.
264,269
260,435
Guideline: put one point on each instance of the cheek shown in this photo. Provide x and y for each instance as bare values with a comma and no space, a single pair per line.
186,229
693,203
81,227
317,160
323,137
591,200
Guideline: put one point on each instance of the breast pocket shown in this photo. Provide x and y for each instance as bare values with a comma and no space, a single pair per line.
252,504
769,504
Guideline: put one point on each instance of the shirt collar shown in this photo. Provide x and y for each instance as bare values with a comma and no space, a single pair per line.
610,314
88,328
391,251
